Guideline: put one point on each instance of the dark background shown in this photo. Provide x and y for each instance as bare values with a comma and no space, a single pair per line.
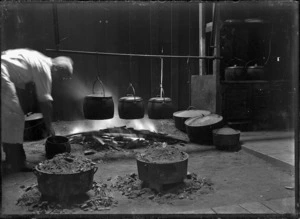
138,27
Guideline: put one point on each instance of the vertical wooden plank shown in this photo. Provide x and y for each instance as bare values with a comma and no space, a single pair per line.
202,33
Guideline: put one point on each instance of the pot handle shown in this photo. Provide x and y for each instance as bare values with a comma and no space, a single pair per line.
101,83
132,88
235,58
250,62
191,107
95,169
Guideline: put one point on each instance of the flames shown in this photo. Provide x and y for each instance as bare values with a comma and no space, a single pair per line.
94,125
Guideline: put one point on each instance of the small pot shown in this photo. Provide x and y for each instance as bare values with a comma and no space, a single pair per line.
234,73
255,72
226,138
56,145
199,129
181,116
98,107
35,127
131,106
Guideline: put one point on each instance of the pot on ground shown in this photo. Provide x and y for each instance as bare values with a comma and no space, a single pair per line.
226,138
181,116
199,129
56,145
35,127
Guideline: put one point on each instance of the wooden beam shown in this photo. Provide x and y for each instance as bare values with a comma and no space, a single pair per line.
202,45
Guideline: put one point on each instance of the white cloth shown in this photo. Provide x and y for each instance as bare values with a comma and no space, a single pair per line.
19,67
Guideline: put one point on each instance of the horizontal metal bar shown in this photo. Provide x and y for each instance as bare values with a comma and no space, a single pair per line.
128,54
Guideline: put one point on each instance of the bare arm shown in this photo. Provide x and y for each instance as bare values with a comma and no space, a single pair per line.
46,108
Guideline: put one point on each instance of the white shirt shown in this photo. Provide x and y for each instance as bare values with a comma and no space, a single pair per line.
25,65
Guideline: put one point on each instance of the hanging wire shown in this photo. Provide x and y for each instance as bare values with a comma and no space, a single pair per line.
270,45
171,87
188,66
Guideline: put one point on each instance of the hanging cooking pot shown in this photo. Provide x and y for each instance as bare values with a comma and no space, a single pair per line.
160,107
255,72
199,129
131,106
98,107
35,127
181,116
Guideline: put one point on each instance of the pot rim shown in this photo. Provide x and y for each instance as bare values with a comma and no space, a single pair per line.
160,163
198,110
238,132
98,96
62,174
236,67
160,99
200,117
130,99
256,66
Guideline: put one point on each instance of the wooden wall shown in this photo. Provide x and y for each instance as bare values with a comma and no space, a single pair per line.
136,27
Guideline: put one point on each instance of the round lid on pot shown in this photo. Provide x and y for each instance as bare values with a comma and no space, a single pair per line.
203,121
235,67
160,99
226,131
33,116
256,66
130,99
191,113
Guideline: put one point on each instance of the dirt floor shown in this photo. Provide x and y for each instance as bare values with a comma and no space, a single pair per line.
233,178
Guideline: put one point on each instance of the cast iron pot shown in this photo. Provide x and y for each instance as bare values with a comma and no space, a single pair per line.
160,107
98,107
35,127
62,186
255,72
56,145
234,73
162,173
181,116
226,138
131,106
199,129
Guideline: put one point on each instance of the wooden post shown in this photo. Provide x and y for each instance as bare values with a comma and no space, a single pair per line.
202,32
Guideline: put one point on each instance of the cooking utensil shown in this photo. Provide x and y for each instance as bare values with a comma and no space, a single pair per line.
35,127
56,145
255,72
160,107
62,186
226,138
131,106
235,72
199,129
98,107
181,116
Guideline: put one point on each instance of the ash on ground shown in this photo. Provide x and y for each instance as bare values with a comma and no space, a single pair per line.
132,187
98,199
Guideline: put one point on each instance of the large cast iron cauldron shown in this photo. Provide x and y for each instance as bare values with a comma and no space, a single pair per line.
234,73
131,106
35,127
181,116
98,107
199,129
226,138
160,108
255,72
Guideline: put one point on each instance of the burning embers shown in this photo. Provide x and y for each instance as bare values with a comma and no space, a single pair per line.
119,138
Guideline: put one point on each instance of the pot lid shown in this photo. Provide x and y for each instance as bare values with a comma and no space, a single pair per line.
160,99
204,121
254,21
130,99
34,116
191,113
256,66
235,66
226,131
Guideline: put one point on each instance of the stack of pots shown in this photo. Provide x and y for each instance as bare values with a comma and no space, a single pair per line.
131,106
200,128
98,107
181,116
